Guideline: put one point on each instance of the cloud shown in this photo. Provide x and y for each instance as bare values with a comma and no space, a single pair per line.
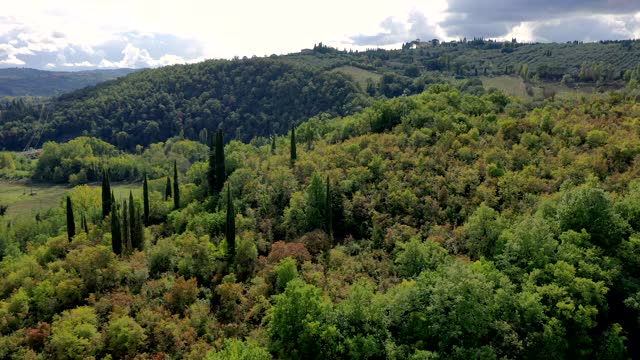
396,31
494,18
585,28
24,46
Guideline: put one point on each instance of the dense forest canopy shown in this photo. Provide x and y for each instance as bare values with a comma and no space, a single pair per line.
32,82
256,97
443,225
266,96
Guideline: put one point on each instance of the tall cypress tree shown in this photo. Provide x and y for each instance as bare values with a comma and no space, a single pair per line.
316,200
211,171
167,189
221,172
328,209
85,225
294,154
71,224
126,239
230,231
176,186
106,195
138,231
145,199
273,145
116,232
132,221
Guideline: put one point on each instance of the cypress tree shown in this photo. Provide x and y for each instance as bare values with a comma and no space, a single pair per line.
211,171
145,199
230,231
327,207
273,145
221,174
132,221
116,232
106,192
71,224
139,231
85,226
126,239
316,199
294,154
176,186
167,189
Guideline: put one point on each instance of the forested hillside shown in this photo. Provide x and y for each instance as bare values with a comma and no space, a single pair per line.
265,96
32,82
442,225
247,98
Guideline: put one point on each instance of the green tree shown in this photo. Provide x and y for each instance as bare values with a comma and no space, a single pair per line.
590,208
329,209
294,154
74,334
211,170
126,232
145,199
481,232
286,270
125,337
116,231
106,195
230,228
273,144
316,211
235,349
176,187
167,189
221,172
416,256
299,324
71,224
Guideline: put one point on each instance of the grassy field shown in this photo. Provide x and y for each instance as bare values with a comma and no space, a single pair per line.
25,199
514,86
359,75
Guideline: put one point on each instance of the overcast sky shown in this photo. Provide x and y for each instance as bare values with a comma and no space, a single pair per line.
88,34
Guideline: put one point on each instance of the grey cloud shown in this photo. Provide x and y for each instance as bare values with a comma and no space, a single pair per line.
396,31
581,28
492,18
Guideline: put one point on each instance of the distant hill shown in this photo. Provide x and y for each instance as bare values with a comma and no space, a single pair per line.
265,96
32,82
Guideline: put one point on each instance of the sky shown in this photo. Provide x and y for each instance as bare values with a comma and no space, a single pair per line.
74,35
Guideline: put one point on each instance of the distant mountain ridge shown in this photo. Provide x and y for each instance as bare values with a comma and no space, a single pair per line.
33,82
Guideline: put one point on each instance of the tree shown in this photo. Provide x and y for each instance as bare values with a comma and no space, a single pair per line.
84,224
590,208
145,199
299,325
294,154
316,201
176,187
221,172
230,232
235,349
211,171
116,231
71,224
106,195
126,238
273,145
139,231
125,337
132,221
328,209
167,189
